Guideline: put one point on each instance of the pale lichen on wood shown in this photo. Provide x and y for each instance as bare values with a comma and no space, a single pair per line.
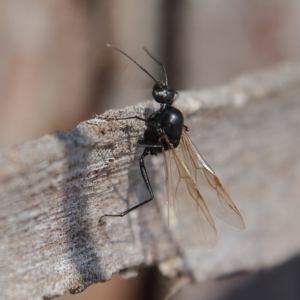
54,190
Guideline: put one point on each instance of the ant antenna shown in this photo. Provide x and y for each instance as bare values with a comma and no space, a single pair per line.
142,68
162,65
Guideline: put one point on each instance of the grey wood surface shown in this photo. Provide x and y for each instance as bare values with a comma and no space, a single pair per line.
54,189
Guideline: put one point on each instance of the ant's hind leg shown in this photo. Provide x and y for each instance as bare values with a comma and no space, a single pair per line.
148,185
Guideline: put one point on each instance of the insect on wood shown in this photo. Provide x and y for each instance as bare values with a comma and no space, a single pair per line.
192,186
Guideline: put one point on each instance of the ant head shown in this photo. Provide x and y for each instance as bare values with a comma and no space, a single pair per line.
162,94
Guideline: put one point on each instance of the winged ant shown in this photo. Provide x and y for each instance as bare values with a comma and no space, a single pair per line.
187,173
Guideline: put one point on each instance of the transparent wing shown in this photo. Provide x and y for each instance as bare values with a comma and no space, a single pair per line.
215,195
187,202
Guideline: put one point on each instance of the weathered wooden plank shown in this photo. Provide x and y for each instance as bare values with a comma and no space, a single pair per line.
54,189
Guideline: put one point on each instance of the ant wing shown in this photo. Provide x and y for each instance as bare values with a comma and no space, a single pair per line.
188,204
217,198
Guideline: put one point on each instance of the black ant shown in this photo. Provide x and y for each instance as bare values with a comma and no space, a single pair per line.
187,173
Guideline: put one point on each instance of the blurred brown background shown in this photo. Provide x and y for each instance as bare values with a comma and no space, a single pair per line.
55,69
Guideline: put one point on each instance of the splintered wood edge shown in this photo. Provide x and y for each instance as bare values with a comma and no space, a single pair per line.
54,189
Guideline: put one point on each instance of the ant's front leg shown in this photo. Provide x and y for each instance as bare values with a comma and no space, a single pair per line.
133,117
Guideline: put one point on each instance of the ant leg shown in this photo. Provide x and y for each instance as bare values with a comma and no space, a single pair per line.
134,117
186,128
148,123
148,185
